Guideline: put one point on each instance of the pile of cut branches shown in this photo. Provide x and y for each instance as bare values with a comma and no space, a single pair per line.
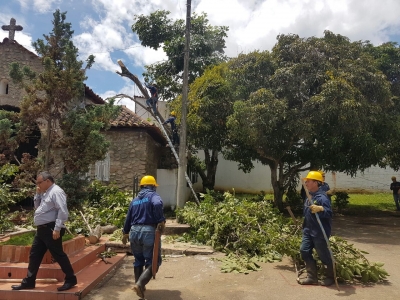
253,231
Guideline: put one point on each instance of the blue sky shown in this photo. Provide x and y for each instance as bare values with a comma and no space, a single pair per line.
102,27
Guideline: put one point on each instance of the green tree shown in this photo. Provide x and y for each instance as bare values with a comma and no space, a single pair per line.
157,30
387,57
55,101
210,103
315,102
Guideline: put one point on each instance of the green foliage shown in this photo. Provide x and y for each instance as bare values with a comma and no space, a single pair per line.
53,95
10,135
7,195
157,30
83,141
252,232
293,199
309,102
26,239
103,205
75,187
341,200
240,227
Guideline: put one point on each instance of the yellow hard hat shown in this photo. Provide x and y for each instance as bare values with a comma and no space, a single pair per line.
148,180
314,175
173,113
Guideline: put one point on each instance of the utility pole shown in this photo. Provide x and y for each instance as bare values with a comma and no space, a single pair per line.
181,195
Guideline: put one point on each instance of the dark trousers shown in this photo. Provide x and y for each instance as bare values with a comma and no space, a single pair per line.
42,242
175,137
308,243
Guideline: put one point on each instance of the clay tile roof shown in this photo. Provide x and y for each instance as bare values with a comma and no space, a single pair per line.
128,119
93,96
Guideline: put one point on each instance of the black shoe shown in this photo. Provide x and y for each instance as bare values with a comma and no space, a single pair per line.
66,286
22,287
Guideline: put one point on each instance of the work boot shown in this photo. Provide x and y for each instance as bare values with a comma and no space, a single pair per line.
138,271
311,268
329,276
140,285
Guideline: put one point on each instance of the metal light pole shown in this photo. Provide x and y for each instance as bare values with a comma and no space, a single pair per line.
180,200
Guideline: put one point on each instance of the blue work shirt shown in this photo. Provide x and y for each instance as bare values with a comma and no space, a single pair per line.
51,207
325,187
145,209
153,90
311,225
171,120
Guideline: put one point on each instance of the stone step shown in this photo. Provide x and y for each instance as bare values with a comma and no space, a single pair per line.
168,246
88,277
78,261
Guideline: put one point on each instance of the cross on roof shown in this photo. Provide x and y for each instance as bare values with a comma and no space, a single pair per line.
11,29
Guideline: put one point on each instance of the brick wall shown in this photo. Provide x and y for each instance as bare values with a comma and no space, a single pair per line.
12,52
133,152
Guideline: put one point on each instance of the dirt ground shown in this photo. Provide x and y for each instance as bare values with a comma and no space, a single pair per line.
199,277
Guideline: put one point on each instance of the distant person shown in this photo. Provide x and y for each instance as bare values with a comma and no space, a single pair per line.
152,102
325,186
174,129
50,215
145,214
395,186
313,237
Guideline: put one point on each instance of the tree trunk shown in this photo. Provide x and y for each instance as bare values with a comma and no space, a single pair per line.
208,176
48,146
277,186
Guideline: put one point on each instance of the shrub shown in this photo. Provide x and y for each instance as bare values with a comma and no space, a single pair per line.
341,200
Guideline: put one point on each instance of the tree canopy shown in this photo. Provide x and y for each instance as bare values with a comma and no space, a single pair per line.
157,30
310,103
55,100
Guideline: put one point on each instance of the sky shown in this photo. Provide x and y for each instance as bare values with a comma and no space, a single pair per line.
103,28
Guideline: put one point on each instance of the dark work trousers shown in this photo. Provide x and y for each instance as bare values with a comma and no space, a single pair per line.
44,240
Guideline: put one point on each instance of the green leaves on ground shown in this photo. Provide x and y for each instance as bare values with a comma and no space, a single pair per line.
252,231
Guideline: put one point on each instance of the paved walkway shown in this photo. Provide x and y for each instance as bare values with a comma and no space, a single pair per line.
199,277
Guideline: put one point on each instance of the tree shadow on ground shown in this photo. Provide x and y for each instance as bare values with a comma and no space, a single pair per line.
163,294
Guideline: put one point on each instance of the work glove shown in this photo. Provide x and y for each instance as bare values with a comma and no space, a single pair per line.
316,208
161,227
125,238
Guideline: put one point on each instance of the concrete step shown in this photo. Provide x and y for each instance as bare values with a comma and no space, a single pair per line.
87,277
168,246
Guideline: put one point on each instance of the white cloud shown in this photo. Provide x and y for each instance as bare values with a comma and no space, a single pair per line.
130,89
41,6
253,25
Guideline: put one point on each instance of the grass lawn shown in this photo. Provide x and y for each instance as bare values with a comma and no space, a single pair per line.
371,202
26,239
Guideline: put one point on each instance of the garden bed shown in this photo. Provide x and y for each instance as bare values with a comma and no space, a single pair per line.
20,254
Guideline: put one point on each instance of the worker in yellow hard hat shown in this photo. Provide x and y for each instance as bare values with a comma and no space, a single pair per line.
145,214
313,237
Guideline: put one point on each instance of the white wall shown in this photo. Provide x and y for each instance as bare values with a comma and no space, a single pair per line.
167,181
228,176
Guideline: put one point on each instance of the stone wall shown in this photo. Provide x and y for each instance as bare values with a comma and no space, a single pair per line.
133,152
13,52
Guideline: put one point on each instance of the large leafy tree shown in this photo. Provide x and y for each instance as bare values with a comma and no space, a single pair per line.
210,103
157,30
315,102
55,100
387,57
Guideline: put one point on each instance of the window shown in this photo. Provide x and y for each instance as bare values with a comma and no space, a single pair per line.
3,87
102,169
